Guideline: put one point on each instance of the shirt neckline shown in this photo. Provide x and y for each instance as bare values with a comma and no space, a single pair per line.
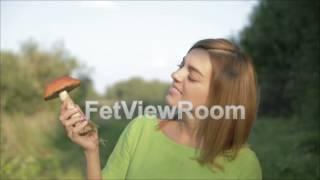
167,139
170,141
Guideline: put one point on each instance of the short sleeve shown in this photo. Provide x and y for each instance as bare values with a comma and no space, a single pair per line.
119,160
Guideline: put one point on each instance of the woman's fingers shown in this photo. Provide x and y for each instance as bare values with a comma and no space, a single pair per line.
74,121
79,127
81,112
68,113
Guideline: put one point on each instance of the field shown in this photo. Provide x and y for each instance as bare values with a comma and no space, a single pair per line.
36,147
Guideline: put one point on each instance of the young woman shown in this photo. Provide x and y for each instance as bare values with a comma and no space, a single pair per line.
214,72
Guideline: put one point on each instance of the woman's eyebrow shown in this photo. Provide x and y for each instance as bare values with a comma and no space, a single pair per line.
194,69
191,68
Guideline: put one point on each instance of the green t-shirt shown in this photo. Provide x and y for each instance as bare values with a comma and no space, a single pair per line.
144,152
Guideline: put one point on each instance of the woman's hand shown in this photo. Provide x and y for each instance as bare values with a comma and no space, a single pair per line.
73,126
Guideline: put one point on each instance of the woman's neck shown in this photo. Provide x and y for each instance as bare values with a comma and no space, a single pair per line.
188,128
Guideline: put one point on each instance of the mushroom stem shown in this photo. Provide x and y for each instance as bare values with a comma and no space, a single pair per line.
64,96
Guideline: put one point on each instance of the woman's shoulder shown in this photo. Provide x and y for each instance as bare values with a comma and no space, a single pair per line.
248,163
247,152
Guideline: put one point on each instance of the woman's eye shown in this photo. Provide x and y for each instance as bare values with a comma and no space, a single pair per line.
191,79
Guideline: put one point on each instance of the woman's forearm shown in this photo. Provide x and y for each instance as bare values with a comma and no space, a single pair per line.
93,165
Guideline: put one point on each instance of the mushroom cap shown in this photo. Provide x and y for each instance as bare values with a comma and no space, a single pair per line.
64,83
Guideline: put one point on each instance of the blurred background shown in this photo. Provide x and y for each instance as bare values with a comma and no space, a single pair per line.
127,50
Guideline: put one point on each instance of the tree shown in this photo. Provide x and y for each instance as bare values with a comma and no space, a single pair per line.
282,38
150,92
24,74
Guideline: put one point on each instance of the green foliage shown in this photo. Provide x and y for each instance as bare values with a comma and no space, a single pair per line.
46,65
33,143
27,150
17,85
26,167
28,126
24,74
150,92
286,148
85,91
283,40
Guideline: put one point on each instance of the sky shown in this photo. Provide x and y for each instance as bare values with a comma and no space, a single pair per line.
119,40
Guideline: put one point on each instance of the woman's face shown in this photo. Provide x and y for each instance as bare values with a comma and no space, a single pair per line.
191,81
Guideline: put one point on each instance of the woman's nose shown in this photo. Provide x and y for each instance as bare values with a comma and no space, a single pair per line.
177,76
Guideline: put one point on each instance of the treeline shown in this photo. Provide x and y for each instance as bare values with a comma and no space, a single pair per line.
283,39
24,74
150,92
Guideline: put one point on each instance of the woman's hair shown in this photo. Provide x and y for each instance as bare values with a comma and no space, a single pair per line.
233,82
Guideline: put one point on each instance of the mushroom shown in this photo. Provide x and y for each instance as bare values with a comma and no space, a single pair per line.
60,87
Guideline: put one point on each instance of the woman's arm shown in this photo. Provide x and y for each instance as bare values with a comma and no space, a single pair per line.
93,165
89,142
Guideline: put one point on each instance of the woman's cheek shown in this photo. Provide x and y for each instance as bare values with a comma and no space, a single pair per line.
199,97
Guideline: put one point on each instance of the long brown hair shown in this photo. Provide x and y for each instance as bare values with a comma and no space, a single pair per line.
233,82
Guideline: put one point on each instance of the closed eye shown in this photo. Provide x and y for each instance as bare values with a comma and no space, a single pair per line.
191,79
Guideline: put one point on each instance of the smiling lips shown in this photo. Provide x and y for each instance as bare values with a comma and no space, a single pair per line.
174,90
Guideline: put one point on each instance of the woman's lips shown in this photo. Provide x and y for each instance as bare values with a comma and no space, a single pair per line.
174,91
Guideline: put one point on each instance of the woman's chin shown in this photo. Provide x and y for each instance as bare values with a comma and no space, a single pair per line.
171,101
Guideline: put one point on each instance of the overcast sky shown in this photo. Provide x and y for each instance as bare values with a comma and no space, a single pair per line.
119,40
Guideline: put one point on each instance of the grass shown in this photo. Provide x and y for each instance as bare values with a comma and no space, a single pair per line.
36,146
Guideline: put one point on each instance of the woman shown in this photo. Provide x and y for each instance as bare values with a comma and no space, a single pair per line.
213,72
